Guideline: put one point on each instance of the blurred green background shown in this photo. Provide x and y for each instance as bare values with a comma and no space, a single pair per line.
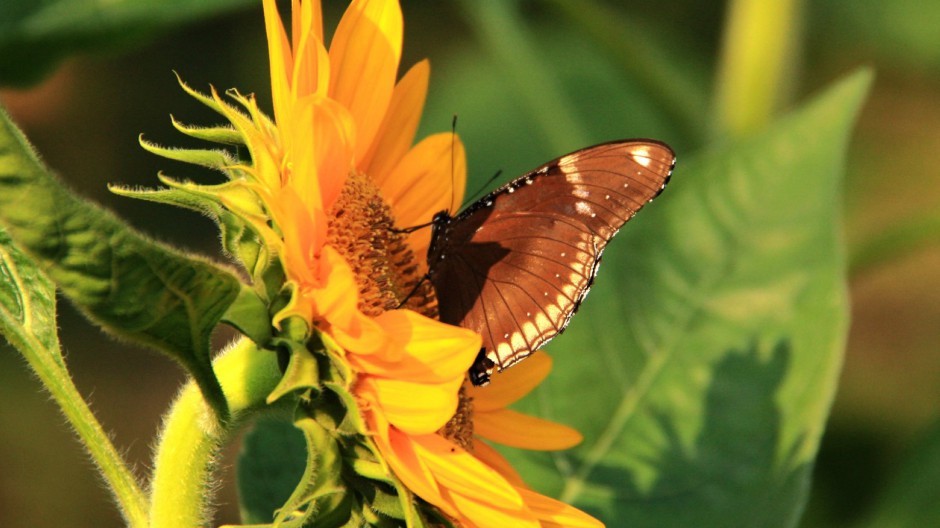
529,81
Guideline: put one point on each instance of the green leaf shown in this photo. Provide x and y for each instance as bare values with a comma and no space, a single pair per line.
36,36
133,287
911,496
270,465
702,368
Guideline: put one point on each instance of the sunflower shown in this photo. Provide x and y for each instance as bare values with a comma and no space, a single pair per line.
324,191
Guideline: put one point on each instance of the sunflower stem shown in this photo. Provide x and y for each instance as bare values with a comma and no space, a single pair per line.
756,64
182,485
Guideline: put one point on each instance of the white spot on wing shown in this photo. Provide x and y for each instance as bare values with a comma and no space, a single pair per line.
583,208
642,156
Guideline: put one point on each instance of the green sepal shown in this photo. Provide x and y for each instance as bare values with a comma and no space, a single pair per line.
437,519
239,239
321,489
387,503
219,134
341,371
132,286
249,315
352,423
302,372
217,159
369,468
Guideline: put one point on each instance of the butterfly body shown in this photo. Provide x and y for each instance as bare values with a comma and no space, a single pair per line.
515,265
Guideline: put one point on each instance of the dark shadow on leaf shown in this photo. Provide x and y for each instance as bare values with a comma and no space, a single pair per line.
735,474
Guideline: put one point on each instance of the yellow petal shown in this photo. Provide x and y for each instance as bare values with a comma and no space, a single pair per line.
429,179
422,350
555,513
414,408
508,386
515,429
303,233
484,515
398,128
492,458
322,150
364,58
336,303
306,16
311,73
281,63
399,452
456,469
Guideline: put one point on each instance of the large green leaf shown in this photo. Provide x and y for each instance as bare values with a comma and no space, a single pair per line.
35,35
133,287
702,368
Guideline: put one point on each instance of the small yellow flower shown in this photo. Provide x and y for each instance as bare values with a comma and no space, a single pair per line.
327,181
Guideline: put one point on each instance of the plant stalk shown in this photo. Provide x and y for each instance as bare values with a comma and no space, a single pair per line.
756,65
182,486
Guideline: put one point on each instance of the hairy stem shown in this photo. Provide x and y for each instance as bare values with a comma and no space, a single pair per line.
182,485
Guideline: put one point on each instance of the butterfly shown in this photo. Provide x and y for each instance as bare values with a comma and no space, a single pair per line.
515,265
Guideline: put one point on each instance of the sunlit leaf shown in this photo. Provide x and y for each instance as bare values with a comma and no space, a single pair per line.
134,287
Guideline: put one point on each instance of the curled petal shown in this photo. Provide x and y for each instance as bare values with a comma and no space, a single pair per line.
312,67
310,20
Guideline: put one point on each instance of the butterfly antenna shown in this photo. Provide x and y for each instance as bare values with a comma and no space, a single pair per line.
483,187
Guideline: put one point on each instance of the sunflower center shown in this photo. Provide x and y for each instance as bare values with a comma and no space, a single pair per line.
387,274
361,228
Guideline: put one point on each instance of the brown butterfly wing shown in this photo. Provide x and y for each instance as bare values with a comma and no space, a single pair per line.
516,264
